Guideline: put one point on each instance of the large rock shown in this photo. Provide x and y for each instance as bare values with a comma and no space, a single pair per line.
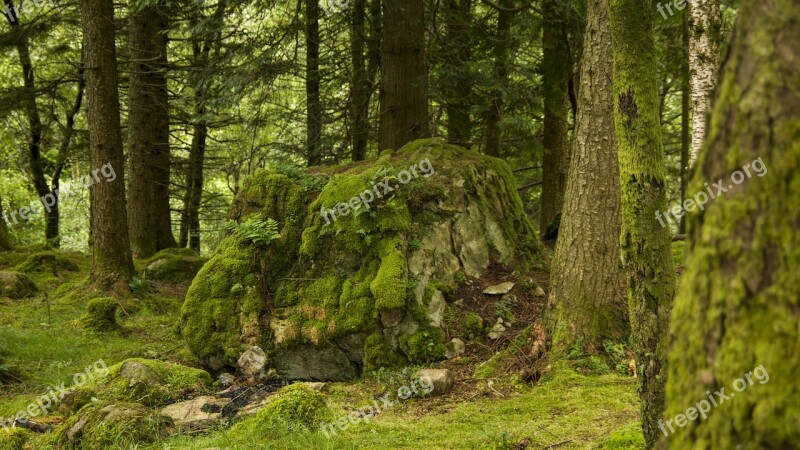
174,265
195,415
118,425
437,381
343,289
16,285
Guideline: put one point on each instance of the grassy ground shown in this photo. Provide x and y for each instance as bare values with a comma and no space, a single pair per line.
566,409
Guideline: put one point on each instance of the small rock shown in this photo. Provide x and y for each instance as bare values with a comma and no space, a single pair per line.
459,303
252,366
498,329
198,414
317,386
226,380
538,291
455,348
499,289
441,379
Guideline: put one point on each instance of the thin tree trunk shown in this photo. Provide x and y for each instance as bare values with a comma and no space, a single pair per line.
404,80
149,215
5,239
364,46
111,253
502,49
587,300
645,244
685,116
557,70
737,326
458,84
314,111
704,36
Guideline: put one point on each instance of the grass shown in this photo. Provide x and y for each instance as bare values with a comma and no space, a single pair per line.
565,410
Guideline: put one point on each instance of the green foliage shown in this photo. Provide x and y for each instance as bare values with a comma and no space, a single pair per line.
255,230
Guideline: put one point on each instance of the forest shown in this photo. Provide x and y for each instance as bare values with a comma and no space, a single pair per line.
410,224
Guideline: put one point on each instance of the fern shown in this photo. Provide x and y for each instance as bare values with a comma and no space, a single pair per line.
255,230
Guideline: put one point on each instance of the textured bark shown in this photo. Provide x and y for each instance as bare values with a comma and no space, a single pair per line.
704,31
5,239
149,215
587,299
458,82
556,73
111,254
645,244
404,80
364,47
313,99
686,109
502,48
737,308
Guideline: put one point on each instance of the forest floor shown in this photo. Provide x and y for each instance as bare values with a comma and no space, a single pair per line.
588,405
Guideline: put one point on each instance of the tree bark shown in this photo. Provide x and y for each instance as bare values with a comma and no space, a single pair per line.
314,102
737,309
502,48
111,253
458,82
587,297
556,73
704,36
686,110
365,54
404,74
149,215
645,244
5,239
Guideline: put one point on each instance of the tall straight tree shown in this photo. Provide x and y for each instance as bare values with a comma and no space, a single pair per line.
556,74
705,25
458,80
313,99
365,57
736,315
149,215
502,50
111,252
5,239
587,299
645,244
404,74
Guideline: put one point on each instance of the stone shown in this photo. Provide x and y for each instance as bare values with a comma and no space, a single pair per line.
16,286
455,348
499,289
436,308
498,329
441,380
226,380
252,366
195,415
317,386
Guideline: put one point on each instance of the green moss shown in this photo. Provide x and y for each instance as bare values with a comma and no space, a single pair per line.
629,437
377,354
294,407
119,425
50,261
14,438
424,346
16,285
516,350
389,285
471,325
100,315
174,265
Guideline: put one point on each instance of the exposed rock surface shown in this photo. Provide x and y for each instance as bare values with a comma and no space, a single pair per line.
441,380
366,257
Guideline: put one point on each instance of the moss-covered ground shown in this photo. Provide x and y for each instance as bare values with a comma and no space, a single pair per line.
45,346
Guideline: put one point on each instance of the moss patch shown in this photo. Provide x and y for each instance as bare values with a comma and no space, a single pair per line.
119,425
16,285
174,265
101,315
294,407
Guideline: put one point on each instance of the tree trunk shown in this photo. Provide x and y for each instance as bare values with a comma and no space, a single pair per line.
458,82
705,23
35,160
149,215
5,239
111,253
685,115
645,244
556,73
587,298
404,74
736,316
314,111
502,49
365,59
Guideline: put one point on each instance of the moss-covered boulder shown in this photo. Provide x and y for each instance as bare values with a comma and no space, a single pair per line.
357,271
174,265
145,381
49,261
100,315
16,285
296,406
118,425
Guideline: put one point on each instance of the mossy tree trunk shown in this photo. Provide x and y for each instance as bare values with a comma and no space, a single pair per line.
556,73
149,215
111,253
645,244
404,74
587,297
737,309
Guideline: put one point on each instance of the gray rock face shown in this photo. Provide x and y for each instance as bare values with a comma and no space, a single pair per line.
441,379
195,415
307,362
252,366
455,348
